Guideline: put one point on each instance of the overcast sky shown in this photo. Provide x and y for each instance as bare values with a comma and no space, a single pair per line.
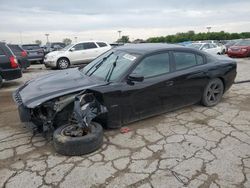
101,19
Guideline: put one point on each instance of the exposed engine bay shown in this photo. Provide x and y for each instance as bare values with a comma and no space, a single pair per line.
77,109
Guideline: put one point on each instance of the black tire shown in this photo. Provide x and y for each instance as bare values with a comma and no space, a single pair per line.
1,81
41,61
63,63
213,92
67,145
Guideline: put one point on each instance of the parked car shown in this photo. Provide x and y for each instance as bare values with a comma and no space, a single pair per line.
21,56
53,46
240,49
34,51
9,67
123,85
73,54
231,43
210,48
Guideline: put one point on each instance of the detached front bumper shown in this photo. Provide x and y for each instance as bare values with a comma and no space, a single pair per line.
24,112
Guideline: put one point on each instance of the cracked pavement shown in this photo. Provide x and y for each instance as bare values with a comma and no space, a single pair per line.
191,147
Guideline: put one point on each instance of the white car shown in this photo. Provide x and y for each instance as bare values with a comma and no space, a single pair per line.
73,54
210,48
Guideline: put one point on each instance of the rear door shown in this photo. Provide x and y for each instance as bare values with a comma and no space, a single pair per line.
91,50
189,78
103,47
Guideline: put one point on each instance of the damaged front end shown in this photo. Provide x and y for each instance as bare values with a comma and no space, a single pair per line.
77,109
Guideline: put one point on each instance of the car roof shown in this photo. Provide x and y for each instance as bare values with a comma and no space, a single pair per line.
90,41
144,48
30,44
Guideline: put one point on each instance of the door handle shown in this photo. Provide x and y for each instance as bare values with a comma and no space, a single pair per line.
169,83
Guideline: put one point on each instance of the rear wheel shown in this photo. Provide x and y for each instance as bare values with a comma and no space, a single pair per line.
213,92
63,63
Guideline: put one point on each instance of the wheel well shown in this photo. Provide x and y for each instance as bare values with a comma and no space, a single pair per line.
224,85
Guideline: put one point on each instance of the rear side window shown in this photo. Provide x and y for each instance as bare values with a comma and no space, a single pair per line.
185,60
15,48
31,47
101,44
1,52
153,65
89,45
199,60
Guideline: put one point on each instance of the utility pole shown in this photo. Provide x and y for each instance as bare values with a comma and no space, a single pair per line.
208,29
119,34
21,37
47,37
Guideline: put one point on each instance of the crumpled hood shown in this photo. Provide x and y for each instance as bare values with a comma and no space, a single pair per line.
53,85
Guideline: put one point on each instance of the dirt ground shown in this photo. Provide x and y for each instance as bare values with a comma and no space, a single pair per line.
192,147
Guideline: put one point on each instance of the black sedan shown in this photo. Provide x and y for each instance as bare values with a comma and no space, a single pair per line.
123,85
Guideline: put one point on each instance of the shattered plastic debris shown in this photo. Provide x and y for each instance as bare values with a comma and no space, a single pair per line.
124,130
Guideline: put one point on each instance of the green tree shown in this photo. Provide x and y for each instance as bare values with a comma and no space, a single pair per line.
39,42
123,39
192,36
67,41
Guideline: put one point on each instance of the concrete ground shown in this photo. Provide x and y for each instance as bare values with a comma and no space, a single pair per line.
191,147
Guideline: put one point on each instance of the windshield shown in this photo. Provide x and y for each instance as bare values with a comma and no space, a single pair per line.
243,43
110,66
67,47
196,46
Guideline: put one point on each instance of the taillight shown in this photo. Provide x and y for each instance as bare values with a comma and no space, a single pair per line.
13,62
23,53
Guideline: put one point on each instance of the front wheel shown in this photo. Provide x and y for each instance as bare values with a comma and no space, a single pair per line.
213,92
63,63
69,140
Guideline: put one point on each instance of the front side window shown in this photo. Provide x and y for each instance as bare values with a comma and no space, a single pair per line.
89,45
185,60
153,65
78,47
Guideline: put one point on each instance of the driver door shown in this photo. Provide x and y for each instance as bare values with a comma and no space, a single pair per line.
76,53
146,98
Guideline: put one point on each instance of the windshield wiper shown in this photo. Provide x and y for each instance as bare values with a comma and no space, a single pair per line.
98,64
109,74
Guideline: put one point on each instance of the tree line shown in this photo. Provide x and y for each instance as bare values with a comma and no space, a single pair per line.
192,36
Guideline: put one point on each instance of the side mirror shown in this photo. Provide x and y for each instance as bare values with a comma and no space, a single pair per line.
72,49
135,78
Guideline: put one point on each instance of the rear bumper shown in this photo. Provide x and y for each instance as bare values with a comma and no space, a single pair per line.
11,74
36,58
